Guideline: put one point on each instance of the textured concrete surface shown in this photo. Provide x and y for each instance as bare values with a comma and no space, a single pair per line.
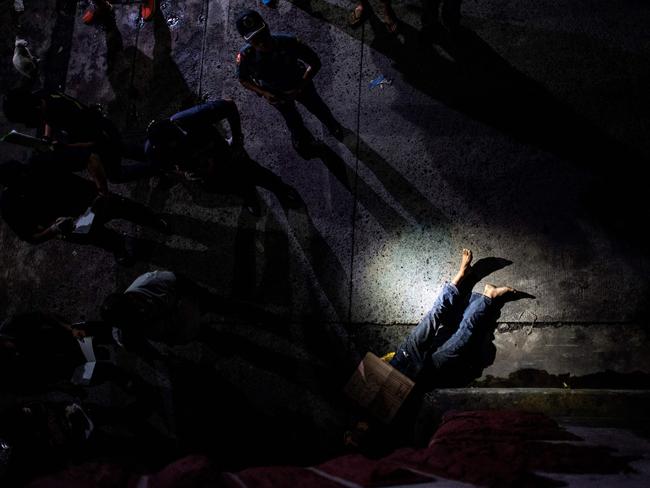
522,138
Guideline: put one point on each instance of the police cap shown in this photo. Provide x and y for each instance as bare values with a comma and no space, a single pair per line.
250,23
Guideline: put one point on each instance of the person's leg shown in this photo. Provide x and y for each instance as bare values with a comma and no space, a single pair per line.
295,124
480,309
258,175
428,335
118,207
389,17
312,101
483,310
99,11
429,20
358,14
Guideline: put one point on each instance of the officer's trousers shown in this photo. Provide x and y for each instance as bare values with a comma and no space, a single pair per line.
312,101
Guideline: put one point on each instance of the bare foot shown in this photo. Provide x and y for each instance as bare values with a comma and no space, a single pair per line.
505,293
465,267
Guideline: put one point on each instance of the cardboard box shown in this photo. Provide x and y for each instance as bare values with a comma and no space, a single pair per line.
378,387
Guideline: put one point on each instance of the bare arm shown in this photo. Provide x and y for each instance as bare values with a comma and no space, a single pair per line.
53,231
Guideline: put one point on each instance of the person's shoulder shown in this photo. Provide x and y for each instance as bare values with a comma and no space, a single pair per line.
284,39
246,51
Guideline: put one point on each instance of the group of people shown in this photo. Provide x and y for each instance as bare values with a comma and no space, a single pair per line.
45,199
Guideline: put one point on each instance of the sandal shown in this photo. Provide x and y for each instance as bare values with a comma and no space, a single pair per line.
357,16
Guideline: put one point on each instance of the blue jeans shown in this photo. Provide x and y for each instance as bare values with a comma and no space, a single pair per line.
445,335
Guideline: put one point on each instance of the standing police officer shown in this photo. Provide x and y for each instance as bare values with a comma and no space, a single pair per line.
280,68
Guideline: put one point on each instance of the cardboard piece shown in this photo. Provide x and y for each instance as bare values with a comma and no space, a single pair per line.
378,387
84,223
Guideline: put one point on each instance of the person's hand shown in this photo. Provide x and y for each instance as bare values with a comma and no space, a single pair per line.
271,98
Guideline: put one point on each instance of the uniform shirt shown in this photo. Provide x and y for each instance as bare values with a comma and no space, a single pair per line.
199,132
279,70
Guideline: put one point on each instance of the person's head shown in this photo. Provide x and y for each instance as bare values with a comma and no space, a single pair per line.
254,30
23,106
10,171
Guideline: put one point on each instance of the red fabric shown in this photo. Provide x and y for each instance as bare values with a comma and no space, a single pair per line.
488,448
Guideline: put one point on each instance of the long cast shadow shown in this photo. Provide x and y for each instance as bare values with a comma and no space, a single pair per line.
480,83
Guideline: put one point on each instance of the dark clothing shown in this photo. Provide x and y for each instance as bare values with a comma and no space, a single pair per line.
312,101
195,143
196,136
33,202
48,352
73,122
280,70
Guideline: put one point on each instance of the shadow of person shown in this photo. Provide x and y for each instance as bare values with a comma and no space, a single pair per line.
387,217
145,88
469,76
461,70
268,389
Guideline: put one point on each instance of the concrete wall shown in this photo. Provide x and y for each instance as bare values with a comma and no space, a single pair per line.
523,138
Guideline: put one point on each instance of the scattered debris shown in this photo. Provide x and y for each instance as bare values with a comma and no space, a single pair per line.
380,82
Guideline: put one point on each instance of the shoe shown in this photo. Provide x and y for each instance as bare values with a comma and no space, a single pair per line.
97,15
148,9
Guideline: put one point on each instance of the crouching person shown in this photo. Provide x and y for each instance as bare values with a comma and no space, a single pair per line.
40,205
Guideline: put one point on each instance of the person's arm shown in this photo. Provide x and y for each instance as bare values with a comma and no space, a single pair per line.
246,80
311,60
254,87
60,227
76,332
232,116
